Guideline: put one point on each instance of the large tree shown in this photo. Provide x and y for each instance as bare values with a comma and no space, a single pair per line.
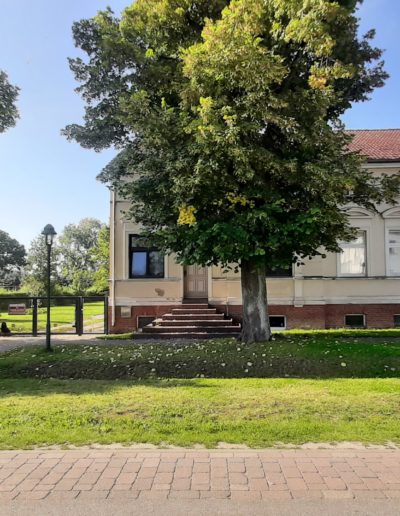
12,259
228,115
8,108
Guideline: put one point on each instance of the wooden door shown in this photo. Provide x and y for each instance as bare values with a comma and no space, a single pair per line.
196,282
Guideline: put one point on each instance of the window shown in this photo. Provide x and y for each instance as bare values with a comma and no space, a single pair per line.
144,261
396,320
354,321
277,321
279,272
394,252
352,260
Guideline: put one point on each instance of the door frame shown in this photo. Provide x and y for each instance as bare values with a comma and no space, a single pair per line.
208,279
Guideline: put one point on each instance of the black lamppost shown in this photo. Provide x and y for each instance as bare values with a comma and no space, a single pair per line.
49,234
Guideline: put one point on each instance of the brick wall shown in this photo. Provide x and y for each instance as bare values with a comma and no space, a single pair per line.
125,325
310,316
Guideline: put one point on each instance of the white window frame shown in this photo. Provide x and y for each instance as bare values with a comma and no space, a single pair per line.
341,274
390,227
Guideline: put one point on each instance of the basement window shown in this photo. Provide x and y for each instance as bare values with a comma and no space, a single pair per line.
354,321
396,321
144,320
277,322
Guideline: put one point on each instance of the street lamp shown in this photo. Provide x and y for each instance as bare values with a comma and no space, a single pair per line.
49,234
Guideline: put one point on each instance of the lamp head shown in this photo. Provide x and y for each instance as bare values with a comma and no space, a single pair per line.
49,234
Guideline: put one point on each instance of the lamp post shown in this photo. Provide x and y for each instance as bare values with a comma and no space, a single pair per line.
49,234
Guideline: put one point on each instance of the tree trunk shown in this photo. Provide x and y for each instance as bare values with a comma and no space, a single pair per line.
255,309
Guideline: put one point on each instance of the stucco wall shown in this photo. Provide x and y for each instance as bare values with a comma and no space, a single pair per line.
314,283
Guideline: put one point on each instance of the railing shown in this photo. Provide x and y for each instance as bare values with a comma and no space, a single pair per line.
69,314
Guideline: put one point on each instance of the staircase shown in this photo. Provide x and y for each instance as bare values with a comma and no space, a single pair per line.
191,321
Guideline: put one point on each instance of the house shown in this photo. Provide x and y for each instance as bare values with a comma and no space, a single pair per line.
359,287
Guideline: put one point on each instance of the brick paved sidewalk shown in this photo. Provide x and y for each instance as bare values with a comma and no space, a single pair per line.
240,475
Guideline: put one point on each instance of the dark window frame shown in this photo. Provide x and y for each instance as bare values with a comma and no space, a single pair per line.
280,272
364,324
142,249
279,327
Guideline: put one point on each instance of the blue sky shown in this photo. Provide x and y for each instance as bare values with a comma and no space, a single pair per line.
45,179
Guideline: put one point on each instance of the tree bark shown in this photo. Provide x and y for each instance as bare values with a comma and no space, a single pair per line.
255,309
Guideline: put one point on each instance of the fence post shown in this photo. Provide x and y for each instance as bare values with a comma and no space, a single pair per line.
80,301
106,315
34,316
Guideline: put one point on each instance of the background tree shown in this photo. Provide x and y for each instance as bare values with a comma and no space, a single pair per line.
78,263
101,257
229,116
8,97
35,271
12,259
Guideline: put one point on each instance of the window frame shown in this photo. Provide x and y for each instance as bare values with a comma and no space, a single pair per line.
387,249
142,249
280,273
341,274
278,328
364,325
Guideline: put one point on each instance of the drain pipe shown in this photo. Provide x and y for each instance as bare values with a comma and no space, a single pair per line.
112,264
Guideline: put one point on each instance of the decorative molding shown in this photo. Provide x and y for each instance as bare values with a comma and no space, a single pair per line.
359,213
392,213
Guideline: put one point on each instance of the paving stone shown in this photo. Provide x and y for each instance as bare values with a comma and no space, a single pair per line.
307,494
338,495
246,496
154,495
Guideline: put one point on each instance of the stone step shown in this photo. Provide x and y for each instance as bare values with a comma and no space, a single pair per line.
191,317
184,335
193,322
191,306
190,311
190,329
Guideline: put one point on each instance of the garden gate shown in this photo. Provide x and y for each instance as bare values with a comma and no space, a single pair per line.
69,314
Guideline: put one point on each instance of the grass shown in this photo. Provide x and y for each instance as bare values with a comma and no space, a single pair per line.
62,318
299,388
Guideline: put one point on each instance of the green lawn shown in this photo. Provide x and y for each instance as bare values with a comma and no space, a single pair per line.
298,388
62,318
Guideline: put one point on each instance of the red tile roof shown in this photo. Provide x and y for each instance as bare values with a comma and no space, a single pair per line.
377,144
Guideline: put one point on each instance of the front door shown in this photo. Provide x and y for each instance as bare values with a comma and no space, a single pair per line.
196,282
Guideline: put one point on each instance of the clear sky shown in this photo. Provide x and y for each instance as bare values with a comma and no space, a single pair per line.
45,179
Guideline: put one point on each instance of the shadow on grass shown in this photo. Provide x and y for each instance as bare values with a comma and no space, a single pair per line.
310,356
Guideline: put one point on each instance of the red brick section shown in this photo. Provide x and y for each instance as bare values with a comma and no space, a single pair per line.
309,316
235,474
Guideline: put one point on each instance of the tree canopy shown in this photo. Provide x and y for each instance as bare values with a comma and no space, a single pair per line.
8,109
12,259
228,115
79,261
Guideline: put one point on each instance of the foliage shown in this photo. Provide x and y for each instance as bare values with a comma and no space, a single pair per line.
77,263
229,116
35,271
8,97
101,257
12,259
